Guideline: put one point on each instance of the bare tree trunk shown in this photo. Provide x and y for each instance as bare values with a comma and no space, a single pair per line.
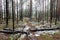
30,13
17,11
43,12
0,18
13,12
56,12
51,11
21,14
7,12
36,12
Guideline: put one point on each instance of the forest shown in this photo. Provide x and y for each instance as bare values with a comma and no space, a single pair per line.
29,19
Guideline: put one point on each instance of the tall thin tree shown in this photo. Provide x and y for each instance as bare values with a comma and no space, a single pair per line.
7,11
17,11
51,11
56,12
13,12
30,13
47,11
43,12
36,12
0,18
21,6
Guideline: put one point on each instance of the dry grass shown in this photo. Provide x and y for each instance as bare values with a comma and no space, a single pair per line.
10,25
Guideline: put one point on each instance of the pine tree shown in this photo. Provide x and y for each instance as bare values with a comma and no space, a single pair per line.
21,14
30,13
7,12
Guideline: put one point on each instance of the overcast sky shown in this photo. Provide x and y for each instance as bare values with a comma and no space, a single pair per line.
27,3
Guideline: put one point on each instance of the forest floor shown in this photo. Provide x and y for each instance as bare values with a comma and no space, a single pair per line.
48,36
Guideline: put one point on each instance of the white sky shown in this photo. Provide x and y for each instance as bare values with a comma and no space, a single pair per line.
27,3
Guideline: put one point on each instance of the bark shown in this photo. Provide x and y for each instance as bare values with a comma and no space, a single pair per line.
7,12
51,11
56,17
21,14
17,12
13,13
30,13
